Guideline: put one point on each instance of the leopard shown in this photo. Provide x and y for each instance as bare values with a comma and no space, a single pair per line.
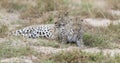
66,30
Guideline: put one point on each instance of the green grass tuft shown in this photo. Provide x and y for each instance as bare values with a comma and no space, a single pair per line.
93,41
3,30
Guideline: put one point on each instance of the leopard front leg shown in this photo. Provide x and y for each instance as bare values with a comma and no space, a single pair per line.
64,39
80,43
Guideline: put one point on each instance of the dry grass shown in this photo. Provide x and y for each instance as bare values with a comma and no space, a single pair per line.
114,4
85,8
45,18
43,12
13,6
3,30
43,6
88,8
